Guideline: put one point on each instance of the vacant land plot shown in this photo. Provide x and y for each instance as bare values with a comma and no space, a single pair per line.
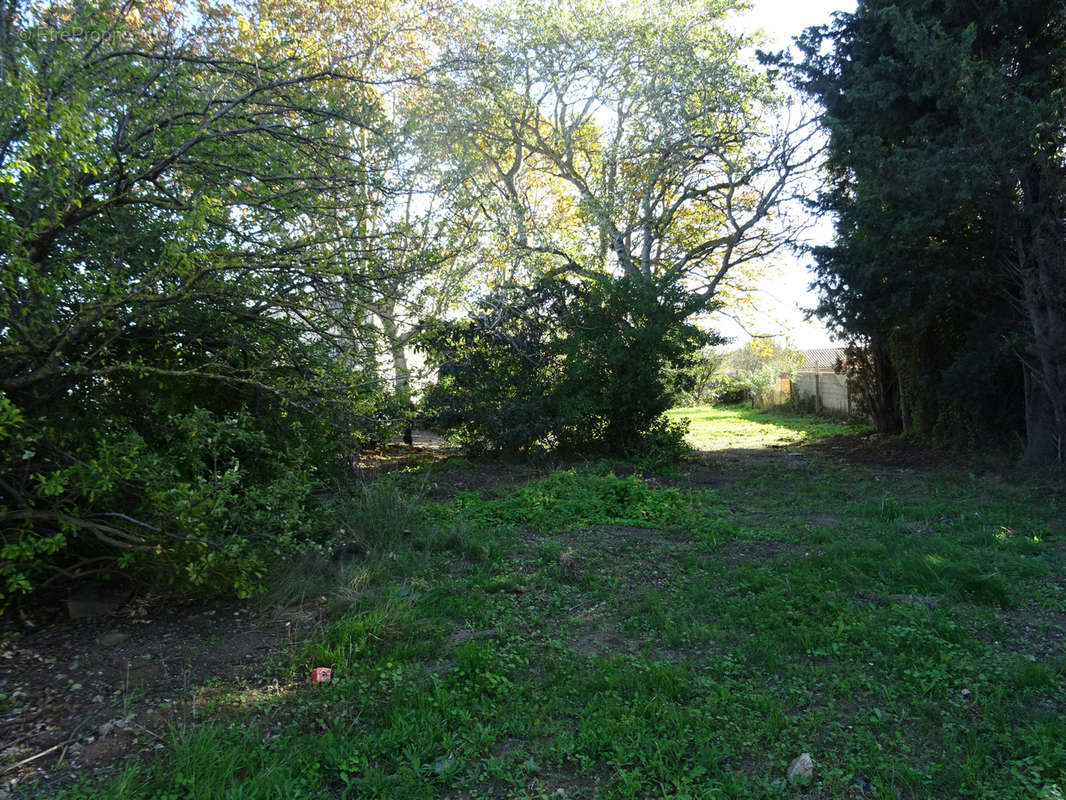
584,635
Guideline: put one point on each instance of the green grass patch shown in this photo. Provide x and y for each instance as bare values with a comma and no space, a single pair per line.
590,636
720,428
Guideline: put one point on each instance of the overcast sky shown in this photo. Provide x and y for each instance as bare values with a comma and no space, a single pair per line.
783,297
782,20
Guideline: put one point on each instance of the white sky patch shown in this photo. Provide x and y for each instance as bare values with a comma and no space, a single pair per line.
781,299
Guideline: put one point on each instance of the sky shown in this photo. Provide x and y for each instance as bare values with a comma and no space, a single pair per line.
780,300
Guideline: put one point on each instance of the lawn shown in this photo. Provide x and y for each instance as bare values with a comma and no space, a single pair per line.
593,636
721,428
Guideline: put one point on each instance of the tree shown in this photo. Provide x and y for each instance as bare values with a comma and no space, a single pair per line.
947,179
620,145
648,124
180,349
147,167
423,236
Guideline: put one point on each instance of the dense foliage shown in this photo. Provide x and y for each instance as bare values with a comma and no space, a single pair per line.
222,226
948,180
182,357
565,365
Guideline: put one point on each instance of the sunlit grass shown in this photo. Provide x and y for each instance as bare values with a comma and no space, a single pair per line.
590,636
729,427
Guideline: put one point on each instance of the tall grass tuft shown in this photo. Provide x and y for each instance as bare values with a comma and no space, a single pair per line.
372,522
379,515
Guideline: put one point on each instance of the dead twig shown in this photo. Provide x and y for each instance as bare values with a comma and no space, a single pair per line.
62,745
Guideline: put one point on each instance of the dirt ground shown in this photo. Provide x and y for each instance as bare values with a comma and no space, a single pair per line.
81,697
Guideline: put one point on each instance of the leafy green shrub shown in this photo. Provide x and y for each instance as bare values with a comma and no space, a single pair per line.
184,362
564,365
198,499
727,390
664,443
493,391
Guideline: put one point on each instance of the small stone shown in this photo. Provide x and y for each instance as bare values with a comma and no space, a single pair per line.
801,770
112,639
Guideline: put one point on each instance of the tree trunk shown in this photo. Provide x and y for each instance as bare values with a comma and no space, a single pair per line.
1041,266
872,376
397,344
401,372
1043,444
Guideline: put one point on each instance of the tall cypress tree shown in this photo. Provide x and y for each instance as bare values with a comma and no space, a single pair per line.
945,166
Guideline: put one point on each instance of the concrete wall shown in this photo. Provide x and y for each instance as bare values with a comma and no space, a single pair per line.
829,390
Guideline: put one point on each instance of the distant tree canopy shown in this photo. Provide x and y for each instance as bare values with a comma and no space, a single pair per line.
947,175
628,159
619,137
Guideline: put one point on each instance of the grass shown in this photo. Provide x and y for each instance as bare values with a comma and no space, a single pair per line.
729,427
594,636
